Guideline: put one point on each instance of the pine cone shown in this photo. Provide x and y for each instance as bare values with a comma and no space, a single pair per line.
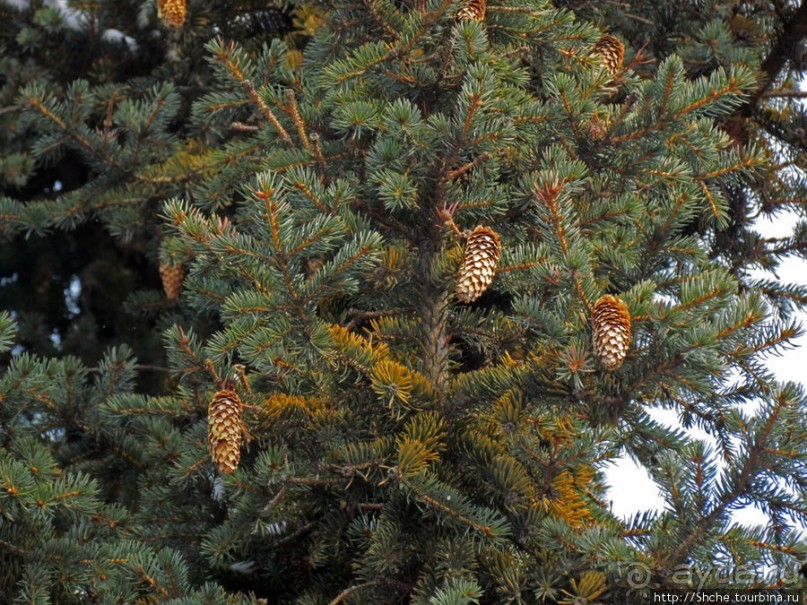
611,322
611,51
225,430
172,276
473,10
597,129
478,265
172,12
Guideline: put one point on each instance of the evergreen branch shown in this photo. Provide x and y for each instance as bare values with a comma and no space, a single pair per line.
13,548
405,78
253,280
303,188
184,344
744,164
388,30
314,481
323,167
757,449
275,499
521,266
37,104
689,406
297,533
428,20
242,127
570,115
732,88
790,37
355,588
49,403
793,552
144,367
548,195
668,89
343,265
272,215
144,575
264,108
100,156
484,529
452,174
294,111
375,506
792,94
360,315
672,216
225,58
474,105
710,197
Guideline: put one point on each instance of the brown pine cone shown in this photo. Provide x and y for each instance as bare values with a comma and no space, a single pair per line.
479,264
172,12
611,51
473,10
611,337
172,276
225,430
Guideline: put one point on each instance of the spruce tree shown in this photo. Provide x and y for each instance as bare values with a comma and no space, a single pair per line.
410,285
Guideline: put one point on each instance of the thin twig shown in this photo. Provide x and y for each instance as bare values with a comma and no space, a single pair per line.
150,368
296,534
349,591
323,167
242,127
212,369
452,174
358,315
796,94
241,372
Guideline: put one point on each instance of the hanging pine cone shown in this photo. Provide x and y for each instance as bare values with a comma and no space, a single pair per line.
478,265
172,12
472,10
611,51
611,322
172,276
225,430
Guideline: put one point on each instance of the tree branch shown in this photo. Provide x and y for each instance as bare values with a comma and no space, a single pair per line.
795,29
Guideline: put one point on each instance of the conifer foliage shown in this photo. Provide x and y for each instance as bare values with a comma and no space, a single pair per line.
426,421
